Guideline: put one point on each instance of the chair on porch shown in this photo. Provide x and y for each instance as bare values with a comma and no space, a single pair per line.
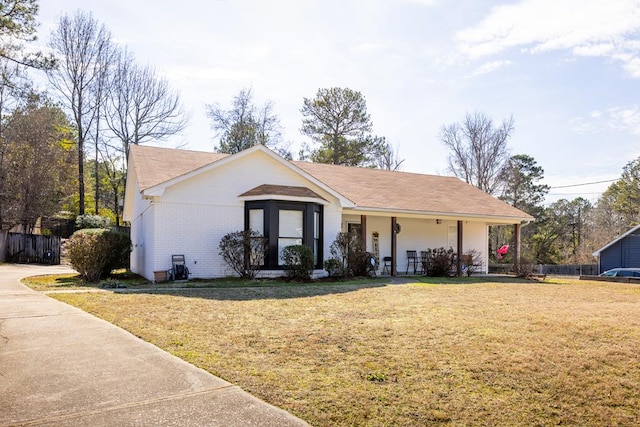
412,259
386,266
422,262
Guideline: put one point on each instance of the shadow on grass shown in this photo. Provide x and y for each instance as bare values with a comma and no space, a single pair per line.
470,280
72,281
242,290
245,290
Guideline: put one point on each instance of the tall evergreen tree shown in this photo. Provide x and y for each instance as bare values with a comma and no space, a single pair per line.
337,120
625,194
521,188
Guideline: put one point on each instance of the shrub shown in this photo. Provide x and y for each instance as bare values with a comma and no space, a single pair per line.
298,260
244,252
92,221
471,262
348,257
525,268
334,267
439,262
94,252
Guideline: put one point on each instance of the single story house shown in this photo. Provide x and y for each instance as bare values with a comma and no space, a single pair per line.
184,202
621,252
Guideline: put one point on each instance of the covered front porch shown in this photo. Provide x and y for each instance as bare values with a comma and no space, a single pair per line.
396,242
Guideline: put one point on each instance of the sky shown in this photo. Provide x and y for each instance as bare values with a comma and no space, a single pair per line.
567,71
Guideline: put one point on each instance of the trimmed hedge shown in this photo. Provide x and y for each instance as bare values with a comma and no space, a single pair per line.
94,252
298,261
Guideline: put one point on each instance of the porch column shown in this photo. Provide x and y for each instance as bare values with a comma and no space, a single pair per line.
363,226
394,247
459,266
516,243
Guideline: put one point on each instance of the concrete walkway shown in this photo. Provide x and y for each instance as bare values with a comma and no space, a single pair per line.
61,366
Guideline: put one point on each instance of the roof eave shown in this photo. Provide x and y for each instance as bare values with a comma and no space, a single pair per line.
492,218
616,240
317,200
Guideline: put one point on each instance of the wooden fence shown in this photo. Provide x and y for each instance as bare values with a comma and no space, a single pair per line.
562,270
3,245
569,269
31,249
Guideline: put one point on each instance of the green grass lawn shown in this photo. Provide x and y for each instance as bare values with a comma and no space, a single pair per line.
460,352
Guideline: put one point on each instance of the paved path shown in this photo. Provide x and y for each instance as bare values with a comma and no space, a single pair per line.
61,366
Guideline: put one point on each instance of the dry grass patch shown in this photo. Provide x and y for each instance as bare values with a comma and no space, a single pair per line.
73,282
415,354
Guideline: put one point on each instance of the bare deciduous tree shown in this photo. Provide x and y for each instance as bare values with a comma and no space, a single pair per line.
478,150
141,106
82,46
389,158
112,175
245,125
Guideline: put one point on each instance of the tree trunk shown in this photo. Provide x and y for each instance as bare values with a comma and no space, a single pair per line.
81,177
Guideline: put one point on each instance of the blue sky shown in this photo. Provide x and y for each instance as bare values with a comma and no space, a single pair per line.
567,70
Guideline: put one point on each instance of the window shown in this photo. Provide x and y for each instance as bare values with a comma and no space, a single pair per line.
256,223
284,224
290,231
316,236
256,220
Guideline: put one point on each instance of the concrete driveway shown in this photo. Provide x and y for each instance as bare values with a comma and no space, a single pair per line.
61,366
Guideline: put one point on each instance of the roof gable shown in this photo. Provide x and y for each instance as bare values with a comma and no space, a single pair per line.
155,165
171,166
616,240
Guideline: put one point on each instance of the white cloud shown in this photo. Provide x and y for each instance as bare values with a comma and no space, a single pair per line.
371,47
594,49
632,66
488,67
625,119
621,119
424,2
189,73
584,27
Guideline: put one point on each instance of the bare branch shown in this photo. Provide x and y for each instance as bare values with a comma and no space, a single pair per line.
478,150
246,125
83,47
141,107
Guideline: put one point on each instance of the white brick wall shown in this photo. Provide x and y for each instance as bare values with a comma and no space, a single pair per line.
191,217
195,231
